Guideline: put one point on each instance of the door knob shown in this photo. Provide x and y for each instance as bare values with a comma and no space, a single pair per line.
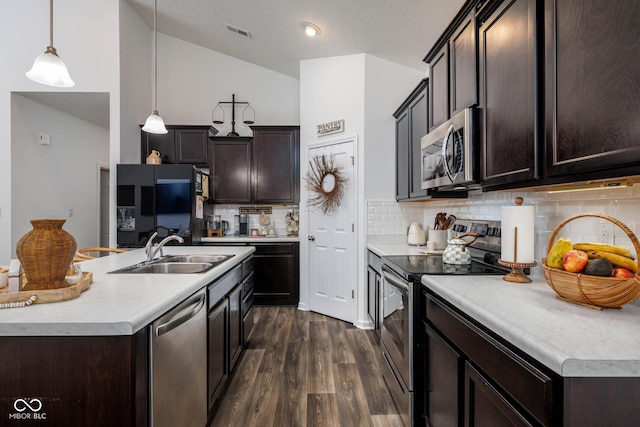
312,238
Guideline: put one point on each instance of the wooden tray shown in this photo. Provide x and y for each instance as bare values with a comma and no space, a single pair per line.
47,295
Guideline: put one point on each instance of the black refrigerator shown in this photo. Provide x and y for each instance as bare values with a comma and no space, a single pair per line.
166,199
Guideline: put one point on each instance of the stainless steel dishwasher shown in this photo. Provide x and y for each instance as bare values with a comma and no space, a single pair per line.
179,365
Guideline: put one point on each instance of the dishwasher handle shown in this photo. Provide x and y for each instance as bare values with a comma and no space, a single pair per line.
185,315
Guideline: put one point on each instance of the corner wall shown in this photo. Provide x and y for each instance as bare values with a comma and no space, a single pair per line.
364,91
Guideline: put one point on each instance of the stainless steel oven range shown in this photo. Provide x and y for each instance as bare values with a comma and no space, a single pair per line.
401,334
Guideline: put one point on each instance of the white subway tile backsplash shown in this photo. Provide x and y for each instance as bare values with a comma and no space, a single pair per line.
278,216
551,210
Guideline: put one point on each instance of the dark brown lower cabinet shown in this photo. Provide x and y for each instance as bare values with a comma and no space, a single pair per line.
235,326
474,379
496,377
218,319
277,273
80,381
484,405
226,320
443,397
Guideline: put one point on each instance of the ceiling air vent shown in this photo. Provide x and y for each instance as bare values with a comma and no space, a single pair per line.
239,31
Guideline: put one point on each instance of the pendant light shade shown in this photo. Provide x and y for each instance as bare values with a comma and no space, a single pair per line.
154,123
48,68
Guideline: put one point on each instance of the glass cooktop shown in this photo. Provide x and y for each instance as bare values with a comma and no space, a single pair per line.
411,267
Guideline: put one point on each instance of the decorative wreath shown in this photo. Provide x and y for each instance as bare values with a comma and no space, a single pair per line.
326,182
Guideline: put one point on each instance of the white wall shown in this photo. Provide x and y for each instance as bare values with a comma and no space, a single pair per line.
364,91
85,34
192,80
45,181
136,82
387,85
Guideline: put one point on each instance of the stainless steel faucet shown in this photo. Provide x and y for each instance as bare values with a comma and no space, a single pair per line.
152,250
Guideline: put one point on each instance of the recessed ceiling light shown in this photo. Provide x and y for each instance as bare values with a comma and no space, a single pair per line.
310,29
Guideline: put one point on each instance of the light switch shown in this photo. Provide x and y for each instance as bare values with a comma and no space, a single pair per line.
44,138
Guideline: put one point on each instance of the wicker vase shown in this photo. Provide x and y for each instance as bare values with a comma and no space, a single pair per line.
45,254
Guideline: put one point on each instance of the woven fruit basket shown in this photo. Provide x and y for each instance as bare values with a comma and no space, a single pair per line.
593,291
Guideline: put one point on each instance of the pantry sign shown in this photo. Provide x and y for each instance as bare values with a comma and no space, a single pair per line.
330,127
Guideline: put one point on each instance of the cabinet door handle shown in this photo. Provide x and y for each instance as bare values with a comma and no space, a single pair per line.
312,238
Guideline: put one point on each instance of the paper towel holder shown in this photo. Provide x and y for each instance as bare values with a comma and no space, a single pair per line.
517,268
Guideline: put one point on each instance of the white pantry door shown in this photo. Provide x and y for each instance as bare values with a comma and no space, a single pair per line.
332,238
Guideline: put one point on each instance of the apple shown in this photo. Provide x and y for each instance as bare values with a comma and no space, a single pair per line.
575,261
622,273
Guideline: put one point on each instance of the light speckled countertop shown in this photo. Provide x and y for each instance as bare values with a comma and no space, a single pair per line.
118,304
569,339
572,340
383,245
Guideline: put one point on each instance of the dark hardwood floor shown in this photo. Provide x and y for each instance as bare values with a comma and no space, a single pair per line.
304,369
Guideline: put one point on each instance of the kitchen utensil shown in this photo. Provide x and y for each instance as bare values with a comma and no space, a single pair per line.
449,222
456,253
441,219
416,235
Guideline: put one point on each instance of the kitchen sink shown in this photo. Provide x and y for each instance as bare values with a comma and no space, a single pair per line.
215,259
174,267
175,264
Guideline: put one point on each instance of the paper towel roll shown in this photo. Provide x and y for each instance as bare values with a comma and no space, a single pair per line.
518,220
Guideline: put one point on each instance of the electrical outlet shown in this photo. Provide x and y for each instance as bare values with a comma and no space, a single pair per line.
604,231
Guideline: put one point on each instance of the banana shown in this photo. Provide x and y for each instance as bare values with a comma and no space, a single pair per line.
615,259
618,250
557,252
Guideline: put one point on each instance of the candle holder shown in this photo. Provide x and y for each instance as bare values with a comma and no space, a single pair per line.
517,271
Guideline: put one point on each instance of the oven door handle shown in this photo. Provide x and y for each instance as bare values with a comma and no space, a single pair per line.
395,281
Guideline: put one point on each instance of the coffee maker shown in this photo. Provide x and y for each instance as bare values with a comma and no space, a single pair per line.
241,223
215,226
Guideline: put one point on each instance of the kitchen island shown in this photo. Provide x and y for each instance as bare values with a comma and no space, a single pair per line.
118,304
88,361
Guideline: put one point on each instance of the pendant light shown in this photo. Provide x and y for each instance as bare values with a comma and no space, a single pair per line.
48,68
154,123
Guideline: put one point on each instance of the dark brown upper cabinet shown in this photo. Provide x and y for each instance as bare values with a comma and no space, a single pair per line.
264,169
411,126
592,86
230,169
276,164
181,144
439,88
453,67
402,155
463,64
508,103
191,145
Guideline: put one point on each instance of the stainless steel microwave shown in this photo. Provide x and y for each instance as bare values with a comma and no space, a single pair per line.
447,153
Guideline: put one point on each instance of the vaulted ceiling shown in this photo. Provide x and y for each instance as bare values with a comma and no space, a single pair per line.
400,31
